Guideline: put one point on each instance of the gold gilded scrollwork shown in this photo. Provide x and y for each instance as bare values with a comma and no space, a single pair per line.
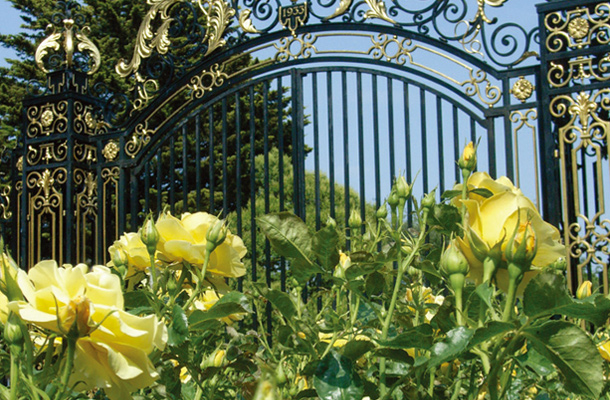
85,152
5,202
578,28
401,53
110,202
47,119
582,141
384,45
285,48
580,68
245,23
52,42
526,121
20,164
85,122
207,80
147,40
86,211
47,153
522,89
218,14
377,10
344,5
45,213
140,137
490,95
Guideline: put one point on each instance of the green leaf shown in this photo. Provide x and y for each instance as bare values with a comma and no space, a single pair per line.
325,246
535,361
573,353
354,349
335,379
547,294
375,283
491,330
283,302
482,192
485,292
179,329
451,347
230,303
419,337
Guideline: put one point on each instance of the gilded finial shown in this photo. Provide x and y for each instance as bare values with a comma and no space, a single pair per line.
65,40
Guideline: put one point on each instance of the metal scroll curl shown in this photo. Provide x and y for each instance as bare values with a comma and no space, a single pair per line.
583,139
156,58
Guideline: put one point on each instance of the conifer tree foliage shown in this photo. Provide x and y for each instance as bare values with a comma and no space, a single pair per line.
114,25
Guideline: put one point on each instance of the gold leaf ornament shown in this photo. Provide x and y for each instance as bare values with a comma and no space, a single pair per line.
219,13
148,41
344,5
246,23
378,10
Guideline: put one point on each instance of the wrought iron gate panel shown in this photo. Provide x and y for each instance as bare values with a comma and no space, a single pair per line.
349,93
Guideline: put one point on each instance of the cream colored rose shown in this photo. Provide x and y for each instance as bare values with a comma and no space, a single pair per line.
138,259
112,346
185,240
210,297
493,221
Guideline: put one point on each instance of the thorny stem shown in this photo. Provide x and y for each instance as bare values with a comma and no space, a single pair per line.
65,375
200,278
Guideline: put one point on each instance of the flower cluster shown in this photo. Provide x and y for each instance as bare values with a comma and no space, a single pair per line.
86,306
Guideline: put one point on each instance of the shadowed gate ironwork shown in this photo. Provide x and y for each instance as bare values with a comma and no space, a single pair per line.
252,106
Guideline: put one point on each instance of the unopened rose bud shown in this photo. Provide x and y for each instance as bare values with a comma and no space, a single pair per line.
150,235
393,198
118,256
216,235
429,200
280,376
355,221
382,212
13,335
559,265
453,261
468,160
403,190
219,358
584,290
330,221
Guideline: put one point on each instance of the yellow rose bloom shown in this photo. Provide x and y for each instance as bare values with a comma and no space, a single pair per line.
604,350
138,258
208,299
493,220
185,240
112,346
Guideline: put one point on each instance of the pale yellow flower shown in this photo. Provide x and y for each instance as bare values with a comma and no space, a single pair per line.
138,258
210,297
112,346
185,240
604,350
493,220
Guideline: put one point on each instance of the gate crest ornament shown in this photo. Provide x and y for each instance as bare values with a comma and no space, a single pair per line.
293,16
70,35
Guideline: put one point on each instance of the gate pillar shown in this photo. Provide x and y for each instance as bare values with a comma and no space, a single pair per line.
58,188
574,40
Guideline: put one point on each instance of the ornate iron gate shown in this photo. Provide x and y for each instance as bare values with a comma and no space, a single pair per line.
245,107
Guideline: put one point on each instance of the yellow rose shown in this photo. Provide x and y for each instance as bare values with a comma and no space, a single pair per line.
185,240
493,221
112,346
208,299
138,258
604,350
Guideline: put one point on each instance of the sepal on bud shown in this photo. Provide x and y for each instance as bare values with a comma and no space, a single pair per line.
453,261
150,235
216,236
468,159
